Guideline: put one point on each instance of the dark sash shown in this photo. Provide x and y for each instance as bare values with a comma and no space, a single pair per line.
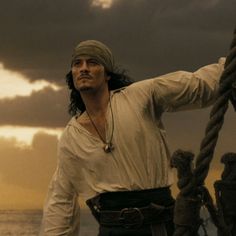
133,209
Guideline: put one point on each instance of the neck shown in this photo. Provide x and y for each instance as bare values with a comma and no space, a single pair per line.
96,102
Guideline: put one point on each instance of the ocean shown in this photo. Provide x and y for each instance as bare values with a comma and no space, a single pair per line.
27,223
15,222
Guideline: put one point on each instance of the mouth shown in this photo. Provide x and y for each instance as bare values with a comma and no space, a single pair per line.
85,77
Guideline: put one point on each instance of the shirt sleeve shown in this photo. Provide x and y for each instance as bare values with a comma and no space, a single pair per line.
184,90
180,90
61,210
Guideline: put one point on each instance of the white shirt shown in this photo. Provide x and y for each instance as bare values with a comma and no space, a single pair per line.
140,159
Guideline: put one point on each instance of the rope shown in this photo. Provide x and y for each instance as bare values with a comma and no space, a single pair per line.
190,185
216,120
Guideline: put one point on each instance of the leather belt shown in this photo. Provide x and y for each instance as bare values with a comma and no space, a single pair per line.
136,217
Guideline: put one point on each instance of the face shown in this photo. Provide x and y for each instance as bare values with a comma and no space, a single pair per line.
88,74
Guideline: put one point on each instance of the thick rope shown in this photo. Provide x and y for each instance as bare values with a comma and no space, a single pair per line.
216,120
190,187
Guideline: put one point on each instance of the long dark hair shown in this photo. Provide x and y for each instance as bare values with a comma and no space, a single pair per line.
118,79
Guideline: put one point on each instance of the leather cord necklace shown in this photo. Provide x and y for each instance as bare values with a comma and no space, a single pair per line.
108,146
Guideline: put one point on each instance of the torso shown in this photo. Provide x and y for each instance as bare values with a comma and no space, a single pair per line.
140,159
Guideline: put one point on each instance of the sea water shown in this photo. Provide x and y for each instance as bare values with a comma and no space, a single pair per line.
27,223
15,222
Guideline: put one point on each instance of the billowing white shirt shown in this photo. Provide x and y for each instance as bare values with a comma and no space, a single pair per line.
140,159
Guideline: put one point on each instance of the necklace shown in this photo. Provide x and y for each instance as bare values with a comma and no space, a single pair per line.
108,146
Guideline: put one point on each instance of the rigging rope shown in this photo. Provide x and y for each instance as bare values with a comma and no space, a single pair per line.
191,180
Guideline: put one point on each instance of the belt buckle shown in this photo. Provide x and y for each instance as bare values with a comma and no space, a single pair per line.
135,215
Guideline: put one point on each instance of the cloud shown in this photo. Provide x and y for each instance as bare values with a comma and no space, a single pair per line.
30,168
102,3
24,135
13,84
44,108
152,37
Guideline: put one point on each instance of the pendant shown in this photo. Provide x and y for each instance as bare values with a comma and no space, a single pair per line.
108,147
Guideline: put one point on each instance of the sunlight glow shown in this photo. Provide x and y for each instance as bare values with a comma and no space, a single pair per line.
102,3
24,135
13,84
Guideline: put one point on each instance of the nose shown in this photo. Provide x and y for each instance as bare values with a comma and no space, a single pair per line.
84,67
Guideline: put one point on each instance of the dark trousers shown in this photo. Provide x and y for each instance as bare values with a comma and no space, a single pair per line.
128,199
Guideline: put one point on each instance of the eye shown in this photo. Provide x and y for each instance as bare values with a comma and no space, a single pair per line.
93,62
77,63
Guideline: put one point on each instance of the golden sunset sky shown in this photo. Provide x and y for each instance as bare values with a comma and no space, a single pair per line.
148,38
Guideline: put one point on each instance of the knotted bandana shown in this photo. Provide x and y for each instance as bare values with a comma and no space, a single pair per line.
96,50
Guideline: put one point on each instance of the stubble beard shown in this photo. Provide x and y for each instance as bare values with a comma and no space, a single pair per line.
85,89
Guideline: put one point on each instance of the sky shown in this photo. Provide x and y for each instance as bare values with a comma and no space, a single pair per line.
147,37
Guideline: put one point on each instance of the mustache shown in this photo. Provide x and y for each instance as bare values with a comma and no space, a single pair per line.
85,75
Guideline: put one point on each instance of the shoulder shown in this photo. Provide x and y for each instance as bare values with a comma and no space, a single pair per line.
142,86
67,159
68,135
138,94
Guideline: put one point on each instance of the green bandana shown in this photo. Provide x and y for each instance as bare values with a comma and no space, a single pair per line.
96,50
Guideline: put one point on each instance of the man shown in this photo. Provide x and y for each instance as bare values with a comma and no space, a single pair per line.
113,152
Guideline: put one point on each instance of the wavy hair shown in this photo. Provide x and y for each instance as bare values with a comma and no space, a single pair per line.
118,79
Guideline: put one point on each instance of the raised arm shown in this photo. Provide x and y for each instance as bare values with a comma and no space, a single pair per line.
180,90
183,90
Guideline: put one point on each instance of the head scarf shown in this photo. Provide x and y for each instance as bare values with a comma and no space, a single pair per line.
97,50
